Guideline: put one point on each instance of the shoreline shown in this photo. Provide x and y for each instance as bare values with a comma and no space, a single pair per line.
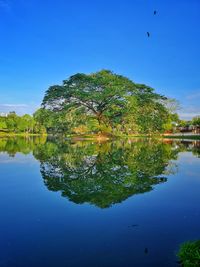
104,137
20,135
182,137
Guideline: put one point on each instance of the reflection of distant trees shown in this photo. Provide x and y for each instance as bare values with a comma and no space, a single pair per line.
190,146
104,174
196,148
23,145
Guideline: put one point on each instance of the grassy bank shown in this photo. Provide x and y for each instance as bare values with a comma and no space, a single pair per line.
20,134
104,137
193,137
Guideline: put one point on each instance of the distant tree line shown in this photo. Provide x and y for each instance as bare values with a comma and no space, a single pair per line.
12,123
101,103
192,125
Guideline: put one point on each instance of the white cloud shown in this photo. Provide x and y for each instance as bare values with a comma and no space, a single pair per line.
14,105
188,116
190,105
194,95
188,112
19,108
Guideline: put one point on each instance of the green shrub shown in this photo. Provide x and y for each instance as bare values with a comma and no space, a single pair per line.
189,254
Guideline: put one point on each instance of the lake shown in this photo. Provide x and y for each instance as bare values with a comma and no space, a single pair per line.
82,203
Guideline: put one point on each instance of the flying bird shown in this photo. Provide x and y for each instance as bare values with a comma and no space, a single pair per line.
155,12
148,34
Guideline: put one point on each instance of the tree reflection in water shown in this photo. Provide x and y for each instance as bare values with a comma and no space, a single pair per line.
104,173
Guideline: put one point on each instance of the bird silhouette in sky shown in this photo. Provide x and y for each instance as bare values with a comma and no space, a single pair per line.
148,33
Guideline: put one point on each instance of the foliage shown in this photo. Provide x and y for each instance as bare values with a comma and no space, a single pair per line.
12,123
189,254
103,102
196,121
103,174
21,144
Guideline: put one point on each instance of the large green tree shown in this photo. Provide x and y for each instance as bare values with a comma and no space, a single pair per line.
110,99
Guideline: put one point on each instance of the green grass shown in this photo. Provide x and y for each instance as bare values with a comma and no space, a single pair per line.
95,136
3,134
189,254
193,137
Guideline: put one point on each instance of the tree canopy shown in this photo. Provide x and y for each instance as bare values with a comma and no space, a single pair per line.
196,121
12,123
104,102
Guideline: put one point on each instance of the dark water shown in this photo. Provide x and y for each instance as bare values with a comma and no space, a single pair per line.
123,203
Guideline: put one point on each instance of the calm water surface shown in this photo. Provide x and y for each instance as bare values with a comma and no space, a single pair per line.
124,203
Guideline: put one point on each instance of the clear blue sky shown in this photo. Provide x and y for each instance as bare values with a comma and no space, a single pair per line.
43,42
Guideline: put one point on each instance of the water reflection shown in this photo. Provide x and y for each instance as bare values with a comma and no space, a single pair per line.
104,174
23,145
101,174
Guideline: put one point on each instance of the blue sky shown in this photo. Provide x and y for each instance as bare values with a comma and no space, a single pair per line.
44,42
